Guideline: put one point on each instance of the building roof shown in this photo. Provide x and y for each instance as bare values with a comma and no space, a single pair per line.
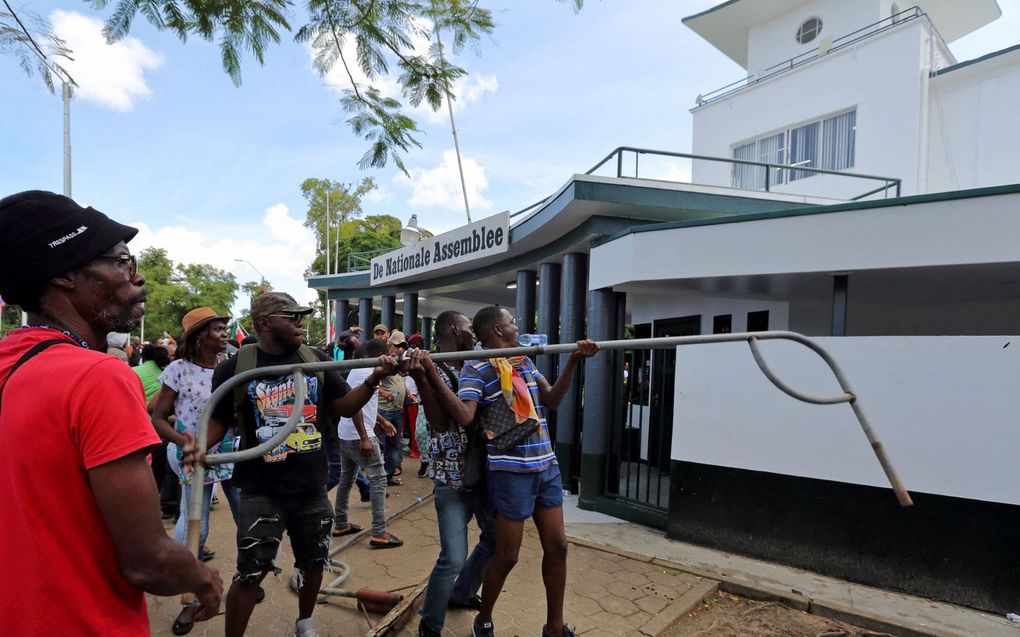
726,25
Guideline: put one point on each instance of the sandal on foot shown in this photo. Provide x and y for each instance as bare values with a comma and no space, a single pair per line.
393,482
350,530
391,543
185,620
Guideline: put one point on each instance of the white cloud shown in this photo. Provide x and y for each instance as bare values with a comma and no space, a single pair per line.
440,186
378,194
678,172
470,88
112,75
280,247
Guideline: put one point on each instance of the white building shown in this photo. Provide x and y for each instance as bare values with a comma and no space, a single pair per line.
915,292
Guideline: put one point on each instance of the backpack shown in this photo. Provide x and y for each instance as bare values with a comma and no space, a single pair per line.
247,359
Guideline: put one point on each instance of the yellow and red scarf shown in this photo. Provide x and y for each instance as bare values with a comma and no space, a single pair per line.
514,387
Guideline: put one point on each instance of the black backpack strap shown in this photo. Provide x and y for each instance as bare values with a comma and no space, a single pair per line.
36,349
454,379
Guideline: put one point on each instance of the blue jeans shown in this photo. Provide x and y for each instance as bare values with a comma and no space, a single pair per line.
333,454
373,468
393,446
455,575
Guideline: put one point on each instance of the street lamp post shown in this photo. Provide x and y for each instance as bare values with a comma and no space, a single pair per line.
257,271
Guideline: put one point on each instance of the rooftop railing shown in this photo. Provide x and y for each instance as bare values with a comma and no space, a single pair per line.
808,56
361,261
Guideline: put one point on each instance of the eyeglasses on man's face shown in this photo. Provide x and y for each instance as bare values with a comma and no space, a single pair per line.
294,317
126,262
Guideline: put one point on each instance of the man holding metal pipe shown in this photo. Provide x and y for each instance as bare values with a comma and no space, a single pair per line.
459,491
82,538
284,490
524,481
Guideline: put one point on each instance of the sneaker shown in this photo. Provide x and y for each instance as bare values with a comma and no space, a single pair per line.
425,631
471,603
566,632
305,628
482,629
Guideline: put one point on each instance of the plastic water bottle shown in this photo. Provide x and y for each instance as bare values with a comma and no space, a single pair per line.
531,340
1013,617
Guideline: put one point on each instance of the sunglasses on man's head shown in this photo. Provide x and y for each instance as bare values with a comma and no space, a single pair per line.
296,317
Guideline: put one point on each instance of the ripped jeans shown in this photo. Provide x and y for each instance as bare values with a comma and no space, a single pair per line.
307,519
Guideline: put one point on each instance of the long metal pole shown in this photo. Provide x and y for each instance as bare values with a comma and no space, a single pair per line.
327,263
66,92
752,338
456,143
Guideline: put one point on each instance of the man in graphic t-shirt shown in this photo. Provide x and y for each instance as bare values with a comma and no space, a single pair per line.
285,490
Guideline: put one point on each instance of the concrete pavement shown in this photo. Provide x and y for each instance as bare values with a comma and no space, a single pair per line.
623,579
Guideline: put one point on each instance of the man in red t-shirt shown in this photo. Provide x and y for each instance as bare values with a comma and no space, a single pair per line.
82,538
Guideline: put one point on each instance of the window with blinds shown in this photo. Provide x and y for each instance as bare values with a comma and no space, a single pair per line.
826,143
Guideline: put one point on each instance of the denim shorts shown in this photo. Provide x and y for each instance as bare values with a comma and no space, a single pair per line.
515,495
262,519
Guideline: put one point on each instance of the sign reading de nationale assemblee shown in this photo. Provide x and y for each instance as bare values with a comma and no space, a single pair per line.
476,240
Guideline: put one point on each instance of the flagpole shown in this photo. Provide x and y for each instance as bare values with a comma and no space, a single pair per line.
328,313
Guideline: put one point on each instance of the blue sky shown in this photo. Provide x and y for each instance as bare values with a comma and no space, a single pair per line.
162,139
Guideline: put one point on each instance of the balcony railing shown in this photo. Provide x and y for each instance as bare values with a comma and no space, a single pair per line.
808,56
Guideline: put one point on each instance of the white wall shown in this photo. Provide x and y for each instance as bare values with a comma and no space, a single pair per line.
775,41
881,77
975,134
961,231
645,308
946,409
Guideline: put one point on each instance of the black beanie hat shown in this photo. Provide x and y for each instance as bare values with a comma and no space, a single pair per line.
43,235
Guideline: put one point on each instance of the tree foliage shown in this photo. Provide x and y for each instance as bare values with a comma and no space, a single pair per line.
28,39
175,289
364,38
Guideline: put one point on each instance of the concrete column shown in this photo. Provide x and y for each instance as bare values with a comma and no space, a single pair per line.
573,290
426,331
389,311
410,313
365,317
549,314
840,284
342,309
599,377
526,301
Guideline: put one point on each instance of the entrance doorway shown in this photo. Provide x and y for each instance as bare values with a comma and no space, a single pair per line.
660,421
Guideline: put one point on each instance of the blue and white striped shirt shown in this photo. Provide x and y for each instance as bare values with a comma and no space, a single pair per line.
479,381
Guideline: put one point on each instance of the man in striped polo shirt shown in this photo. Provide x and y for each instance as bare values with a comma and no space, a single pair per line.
525,481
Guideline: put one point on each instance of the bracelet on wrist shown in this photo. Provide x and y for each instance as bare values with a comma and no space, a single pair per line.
373,386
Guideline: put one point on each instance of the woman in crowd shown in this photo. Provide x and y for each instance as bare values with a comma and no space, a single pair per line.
187,383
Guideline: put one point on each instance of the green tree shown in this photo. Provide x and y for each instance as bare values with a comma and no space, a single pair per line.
378,38
10,318
28,38
343,203
174,290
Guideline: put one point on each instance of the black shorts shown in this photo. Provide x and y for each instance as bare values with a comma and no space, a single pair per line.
262,519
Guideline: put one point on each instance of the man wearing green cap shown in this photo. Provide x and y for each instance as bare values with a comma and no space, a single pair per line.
284,490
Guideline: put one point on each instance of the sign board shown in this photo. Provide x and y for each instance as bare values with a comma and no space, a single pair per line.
476,240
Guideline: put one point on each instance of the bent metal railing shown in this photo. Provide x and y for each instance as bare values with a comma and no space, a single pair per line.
752,339
841,42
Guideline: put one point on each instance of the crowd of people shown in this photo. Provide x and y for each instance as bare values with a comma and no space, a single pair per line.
112,421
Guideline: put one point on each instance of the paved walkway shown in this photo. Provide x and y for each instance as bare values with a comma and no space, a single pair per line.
623,579
607,593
